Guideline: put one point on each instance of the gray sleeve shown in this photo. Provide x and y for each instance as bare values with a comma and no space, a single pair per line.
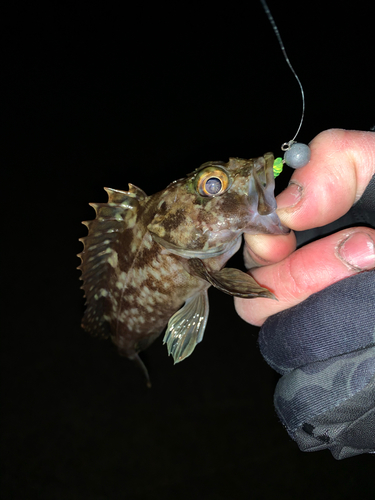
325,350
346,430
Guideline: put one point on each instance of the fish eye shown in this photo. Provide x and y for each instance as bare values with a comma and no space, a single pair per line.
212,181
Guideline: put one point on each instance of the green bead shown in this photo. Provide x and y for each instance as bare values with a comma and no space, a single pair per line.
277,167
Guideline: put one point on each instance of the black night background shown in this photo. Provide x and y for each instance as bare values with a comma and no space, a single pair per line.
102,94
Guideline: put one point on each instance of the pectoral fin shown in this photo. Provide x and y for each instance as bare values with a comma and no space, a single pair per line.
186,328
230,281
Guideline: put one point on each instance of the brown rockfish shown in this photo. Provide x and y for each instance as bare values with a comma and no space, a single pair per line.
149,260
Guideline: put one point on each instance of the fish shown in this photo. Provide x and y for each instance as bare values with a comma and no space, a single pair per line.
148,261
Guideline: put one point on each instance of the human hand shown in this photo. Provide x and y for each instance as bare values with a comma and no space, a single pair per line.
341,166
320,335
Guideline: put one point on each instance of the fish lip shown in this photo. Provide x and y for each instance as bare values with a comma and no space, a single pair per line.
269,226
283,229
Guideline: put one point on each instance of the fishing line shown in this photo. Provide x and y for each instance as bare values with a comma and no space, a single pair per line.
296,155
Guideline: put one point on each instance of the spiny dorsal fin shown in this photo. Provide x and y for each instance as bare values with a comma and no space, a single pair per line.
99,257
122,197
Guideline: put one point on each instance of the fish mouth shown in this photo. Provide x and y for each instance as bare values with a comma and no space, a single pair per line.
263,204
264,184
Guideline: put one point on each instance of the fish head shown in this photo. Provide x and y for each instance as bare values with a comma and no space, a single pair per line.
204,213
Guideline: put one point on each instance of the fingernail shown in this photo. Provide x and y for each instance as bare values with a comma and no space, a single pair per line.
357,251
290,196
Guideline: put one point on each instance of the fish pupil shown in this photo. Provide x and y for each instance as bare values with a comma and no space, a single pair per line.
213,185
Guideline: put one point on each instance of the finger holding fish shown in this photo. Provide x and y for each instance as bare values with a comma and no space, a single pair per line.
308,270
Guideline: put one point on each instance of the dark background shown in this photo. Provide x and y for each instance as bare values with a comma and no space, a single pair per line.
103,94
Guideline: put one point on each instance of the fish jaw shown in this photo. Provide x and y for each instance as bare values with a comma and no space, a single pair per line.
261,217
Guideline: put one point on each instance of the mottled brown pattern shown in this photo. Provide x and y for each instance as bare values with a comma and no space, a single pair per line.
174,220
134,266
